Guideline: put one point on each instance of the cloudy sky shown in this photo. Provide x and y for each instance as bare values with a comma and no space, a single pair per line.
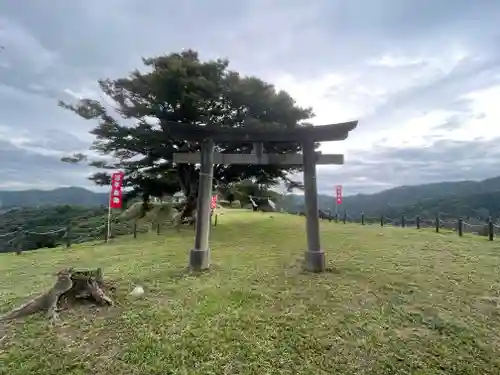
422,77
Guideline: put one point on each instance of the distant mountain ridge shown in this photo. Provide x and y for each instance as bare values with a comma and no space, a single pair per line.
462,198
61,196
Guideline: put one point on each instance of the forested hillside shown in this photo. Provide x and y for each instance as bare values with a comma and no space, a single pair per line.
50,226
479,206
49,218
47,226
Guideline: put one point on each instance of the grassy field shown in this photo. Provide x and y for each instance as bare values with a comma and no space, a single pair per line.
395,301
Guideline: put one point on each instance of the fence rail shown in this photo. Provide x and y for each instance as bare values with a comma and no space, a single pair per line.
488,228
22,240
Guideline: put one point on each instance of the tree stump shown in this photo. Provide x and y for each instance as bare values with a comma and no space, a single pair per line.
88,285
71,287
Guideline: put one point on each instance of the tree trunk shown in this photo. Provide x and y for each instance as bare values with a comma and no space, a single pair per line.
188,180
145,205
189,207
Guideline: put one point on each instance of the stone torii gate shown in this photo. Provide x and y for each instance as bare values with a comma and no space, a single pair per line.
199,256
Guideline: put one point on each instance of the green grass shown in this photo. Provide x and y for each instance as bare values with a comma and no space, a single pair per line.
395,301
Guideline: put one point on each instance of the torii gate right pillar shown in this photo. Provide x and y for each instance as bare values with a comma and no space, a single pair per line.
314,257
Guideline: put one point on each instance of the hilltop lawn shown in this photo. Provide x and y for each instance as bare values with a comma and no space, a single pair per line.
394,301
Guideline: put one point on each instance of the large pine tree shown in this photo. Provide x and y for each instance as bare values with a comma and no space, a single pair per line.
179,87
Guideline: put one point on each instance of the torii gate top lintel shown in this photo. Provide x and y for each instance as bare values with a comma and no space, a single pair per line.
322,133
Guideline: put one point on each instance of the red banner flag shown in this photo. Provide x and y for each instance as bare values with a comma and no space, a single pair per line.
213,203
338,190
116,193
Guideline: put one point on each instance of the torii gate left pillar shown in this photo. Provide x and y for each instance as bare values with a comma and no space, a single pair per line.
314,257
199,256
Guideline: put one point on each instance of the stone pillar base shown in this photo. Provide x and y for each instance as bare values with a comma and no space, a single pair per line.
314,261
199,260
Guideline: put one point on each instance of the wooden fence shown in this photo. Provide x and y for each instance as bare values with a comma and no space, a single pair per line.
487,229
22,240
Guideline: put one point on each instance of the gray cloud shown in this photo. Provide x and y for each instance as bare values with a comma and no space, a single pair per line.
57,140
443,92
55,49
456,121
21,168
388,167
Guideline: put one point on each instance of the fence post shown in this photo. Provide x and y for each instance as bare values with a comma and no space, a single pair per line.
135,230
490,229
345,216
19,241
460,227
418,222
336,217
68,236
106,233
216,220
403,222
381,220
158,229
362,219
437,224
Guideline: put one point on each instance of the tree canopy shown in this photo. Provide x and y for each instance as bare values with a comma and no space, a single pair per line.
132,123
